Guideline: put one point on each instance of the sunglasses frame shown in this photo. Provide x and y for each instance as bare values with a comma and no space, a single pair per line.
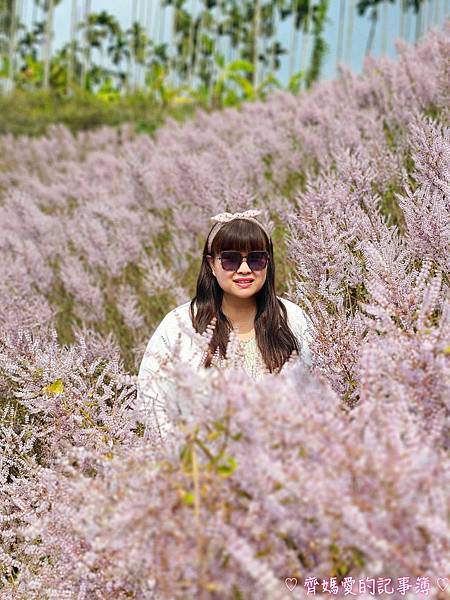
243,258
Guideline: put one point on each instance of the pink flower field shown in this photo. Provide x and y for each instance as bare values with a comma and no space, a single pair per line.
336,477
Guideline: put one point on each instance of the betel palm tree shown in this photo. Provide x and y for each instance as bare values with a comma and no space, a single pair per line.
49,7
86,47
118,50
235,26
179,37
320,47
191,43
10,25
131,64
294,10
104,26
384,27
203,46
73,42
247,31
268,33
213,10
437,12
32,40
402,18
275,21
348,45
161,22
276,49
97,29
137,42
362,7
306,22
255,39
340,40
417,6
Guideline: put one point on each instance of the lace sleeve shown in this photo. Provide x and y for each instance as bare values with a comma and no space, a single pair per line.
154,388
302,329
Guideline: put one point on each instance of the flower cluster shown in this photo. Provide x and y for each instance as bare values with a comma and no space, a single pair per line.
337,473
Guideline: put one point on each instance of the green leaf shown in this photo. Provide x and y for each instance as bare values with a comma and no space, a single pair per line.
226,469
187,497
57,387
240,65
219,59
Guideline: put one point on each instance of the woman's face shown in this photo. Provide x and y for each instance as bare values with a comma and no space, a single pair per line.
228,279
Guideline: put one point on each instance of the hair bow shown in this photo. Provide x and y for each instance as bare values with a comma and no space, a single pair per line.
226,216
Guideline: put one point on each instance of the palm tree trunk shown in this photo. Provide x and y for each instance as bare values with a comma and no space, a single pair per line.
217,49
305,39
22,12
34,13
418,23
408,18
174,47
142,20
374,17
437,16
340,31
86,49
190,57
402,18
132,63
424,17
256,33
274,39
293,48
73,36
198,45
12,47
162,22
384,28
48,43
151,21
151,29
348,48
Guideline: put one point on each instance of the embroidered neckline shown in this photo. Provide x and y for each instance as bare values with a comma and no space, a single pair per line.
247,341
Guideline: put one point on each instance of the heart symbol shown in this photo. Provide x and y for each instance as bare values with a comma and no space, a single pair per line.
442,583
291,582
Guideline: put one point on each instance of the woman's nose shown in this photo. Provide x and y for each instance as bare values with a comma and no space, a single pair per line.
245,269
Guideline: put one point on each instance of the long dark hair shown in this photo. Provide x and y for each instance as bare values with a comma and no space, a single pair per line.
273,335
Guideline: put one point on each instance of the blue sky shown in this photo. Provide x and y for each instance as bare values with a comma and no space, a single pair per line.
434,12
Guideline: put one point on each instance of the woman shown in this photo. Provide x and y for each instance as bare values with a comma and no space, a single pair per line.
236,286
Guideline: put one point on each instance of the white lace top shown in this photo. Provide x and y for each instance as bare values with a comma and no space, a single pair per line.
155,390
252,360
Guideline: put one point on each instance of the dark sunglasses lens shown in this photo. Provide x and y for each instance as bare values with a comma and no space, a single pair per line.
257,261
231,260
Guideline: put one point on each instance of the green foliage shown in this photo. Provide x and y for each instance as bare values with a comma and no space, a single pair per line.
295,82
85,95
320,47
30,113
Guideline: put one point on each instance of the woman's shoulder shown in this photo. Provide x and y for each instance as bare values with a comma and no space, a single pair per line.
300,326
173,317
295,313
291,306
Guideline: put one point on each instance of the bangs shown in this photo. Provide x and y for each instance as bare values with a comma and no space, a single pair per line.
241,235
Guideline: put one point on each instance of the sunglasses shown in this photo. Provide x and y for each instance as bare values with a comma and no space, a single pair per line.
231,260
